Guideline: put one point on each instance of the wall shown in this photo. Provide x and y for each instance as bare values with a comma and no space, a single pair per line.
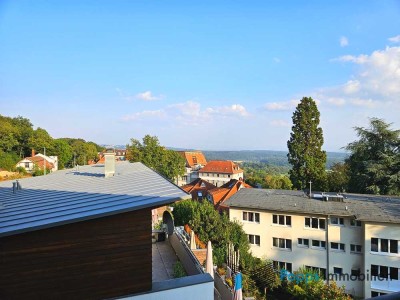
385,231
300,256
197,287
187,259
96,259
219,179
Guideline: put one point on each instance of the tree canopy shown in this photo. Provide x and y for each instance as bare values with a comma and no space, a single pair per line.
305,154
374,162
18,138
166,162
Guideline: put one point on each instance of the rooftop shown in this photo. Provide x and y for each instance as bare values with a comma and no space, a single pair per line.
221,166
72,195
193,158
363,207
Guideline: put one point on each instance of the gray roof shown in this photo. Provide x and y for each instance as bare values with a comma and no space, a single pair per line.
362,207
69,196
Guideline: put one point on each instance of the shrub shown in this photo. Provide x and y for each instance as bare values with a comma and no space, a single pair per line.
179,270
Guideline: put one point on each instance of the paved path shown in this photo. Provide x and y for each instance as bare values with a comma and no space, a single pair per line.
164,258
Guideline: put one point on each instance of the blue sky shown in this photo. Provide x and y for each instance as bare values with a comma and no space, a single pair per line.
221,75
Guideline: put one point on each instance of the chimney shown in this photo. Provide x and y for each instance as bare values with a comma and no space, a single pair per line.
109,162
33,153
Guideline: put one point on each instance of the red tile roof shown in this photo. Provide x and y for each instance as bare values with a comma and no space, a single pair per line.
198,185
40,161
193,158
221,166
223,193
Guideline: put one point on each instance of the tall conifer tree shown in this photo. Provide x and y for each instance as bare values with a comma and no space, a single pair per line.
305,153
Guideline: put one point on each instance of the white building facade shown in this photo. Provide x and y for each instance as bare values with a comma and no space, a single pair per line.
341,240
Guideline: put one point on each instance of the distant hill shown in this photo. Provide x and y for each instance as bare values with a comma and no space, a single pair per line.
275,158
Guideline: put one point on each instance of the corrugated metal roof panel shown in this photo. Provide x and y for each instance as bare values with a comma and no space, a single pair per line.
70,196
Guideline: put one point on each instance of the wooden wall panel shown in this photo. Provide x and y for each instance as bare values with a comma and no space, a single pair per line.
95,259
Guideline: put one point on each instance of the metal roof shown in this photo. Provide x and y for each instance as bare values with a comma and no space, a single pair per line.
362,207
69,196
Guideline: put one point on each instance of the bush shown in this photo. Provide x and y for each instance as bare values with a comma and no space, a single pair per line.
21,170
179,270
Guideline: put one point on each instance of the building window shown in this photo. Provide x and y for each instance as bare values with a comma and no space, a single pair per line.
282,243
385,272
337,221
26,165
303,242
355,223
314,223
338,246
320,271
279,265
318,244
384,246
282,220
254,239
355,248
251,217
377,294
338,271
374,244
355,272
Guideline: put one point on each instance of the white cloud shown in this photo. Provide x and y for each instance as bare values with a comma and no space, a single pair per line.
368,103
336,101
283,105
343,41
351,87
190,113
377,79
147,96
279,123
234,109
351,58
395,39
146,114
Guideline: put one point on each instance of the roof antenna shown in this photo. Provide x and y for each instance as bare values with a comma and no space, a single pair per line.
310,188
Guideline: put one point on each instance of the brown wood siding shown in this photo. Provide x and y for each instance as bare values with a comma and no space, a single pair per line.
95,259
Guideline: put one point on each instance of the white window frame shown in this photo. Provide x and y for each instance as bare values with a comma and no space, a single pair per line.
285,241
318,223
320,247
254,214
389,253
277,265
355,246
253,239
341,247
355,223
339,221
285,220
300,243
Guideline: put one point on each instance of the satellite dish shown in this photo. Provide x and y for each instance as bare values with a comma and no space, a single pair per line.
169,221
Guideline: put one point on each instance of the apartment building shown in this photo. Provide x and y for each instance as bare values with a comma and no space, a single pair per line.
353,239
219,172
194,161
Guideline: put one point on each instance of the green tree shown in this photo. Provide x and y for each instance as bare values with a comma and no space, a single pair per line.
278,182
305,154
338,178
374,162
8,160
41,139
166,162
63,151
